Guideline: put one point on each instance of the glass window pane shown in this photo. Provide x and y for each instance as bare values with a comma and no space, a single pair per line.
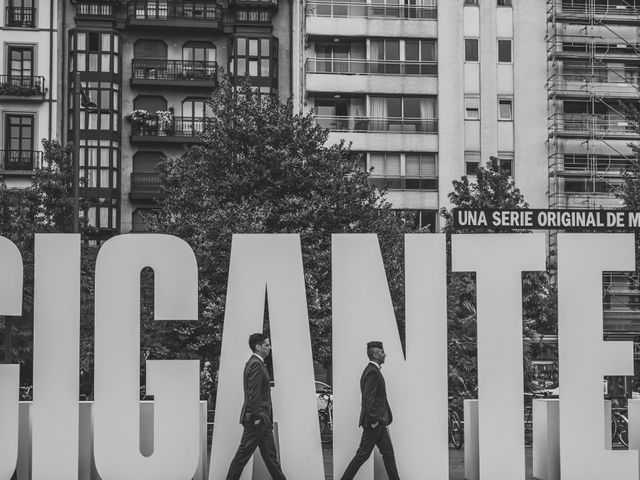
106,42
264,47
253,47
471,49
82,41
253,68
392,49
411,107
264,67
411,50
242,46
394,107
504,51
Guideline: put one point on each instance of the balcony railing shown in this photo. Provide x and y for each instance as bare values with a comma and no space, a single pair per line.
250,3
20,159
367,10
594,124
378,124
94,10
404,183
188,10
22,86
370,67
173,70
253,16
178,127
145,186
588,9
24,17
629,75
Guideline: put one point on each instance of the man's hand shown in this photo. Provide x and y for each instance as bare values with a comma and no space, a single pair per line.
257,422
375,425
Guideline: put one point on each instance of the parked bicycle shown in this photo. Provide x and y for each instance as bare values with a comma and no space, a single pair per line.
325,417
456,424
619,427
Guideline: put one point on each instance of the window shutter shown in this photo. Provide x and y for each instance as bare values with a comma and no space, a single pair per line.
377,162
412,165
150,49
145,162
150,103
428,167
393,166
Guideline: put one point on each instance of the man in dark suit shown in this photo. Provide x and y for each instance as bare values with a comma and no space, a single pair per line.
257,416
375,416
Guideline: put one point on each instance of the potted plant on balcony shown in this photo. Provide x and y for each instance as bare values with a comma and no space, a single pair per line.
165,122
140,120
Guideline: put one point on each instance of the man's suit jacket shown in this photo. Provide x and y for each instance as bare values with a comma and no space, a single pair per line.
375,407
257,393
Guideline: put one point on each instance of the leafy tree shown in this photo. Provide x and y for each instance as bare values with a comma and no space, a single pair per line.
46,206
491,190
261,168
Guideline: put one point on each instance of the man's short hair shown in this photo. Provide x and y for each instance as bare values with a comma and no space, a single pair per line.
256,339
371,346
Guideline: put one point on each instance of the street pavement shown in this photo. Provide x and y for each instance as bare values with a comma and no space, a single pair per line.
456,463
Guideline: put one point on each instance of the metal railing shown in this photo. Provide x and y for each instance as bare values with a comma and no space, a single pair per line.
586,46
338,123
22,86
594,124
368,10
253,16
21,17
370,67
404,183
249,3
178,127
629,75
560,7
145,182
20,159
144,69
95,9
584,200
188,10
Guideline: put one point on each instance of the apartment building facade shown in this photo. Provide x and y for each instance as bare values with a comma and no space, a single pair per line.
28,96
145,69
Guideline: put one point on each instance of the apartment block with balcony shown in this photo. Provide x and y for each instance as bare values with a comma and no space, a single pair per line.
166,58
28,108
371,76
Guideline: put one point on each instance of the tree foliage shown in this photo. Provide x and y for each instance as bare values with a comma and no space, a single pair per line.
261,168
46,206
492,190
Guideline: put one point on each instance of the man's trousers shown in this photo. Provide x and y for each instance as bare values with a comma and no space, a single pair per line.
372,437
256,436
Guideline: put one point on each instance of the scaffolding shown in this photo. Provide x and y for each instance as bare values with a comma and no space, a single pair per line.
593,67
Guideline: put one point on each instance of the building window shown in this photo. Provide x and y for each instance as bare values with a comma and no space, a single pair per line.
404,171
21,13
471,108
471,162
96,52
341,58
505,162
505,109
504,3
103,114
252,56
471,2
504,51
18,142
426,219
470,49
20,64
199,52
99,164
403,114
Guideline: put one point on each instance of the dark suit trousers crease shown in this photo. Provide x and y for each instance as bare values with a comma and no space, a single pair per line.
256,436
372,437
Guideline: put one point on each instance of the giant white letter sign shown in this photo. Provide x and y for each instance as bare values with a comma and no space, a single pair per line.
56,348
499,260
10,304
174,383
417,385
584,358
271,263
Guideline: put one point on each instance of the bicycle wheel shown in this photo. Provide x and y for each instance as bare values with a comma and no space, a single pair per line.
528,425
456,431
622,429
614,428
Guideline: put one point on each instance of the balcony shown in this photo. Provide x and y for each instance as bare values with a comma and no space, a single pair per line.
178,130
611,83
95,10
367,10
174,15
28,88
21,17
370,67
175,73
253,17
20,161
145,186
597,126
378,124
254,4
404,183
604,11
586,47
